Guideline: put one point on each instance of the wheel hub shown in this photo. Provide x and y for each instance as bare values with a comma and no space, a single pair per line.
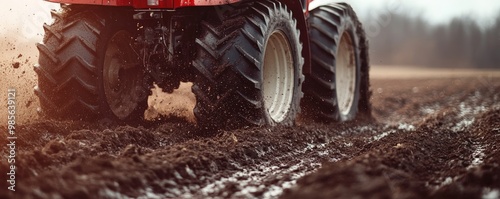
114,73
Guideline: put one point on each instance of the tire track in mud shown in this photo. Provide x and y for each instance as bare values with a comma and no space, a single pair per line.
268,179
127,156
419,160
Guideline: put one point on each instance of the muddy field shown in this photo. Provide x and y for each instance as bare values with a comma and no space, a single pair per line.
430,137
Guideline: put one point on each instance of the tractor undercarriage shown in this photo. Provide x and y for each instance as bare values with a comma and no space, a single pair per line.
165,41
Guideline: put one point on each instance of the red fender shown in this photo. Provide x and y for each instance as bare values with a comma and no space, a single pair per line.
138,4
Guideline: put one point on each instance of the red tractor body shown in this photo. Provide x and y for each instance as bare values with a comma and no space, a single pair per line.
155,4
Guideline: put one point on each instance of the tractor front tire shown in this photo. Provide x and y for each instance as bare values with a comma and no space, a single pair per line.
249,66
87,69
337,89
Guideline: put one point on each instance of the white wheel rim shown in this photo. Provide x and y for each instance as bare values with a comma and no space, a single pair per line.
345,74
278,77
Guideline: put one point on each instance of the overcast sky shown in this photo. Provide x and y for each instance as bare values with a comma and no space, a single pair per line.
25,17
435,11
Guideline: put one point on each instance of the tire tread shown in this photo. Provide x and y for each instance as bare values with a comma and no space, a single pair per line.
320,90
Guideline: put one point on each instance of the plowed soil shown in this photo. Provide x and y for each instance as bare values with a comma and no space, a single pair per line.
429,138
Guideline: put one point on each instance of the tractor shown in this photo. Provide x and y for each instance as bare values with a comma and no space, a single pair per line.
251,62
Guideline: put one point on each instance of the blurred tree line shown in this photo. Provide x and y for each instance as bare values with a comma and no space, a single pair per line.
413,41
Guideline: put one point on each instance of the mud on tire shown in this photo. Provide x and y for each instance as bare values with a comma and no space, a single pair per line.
70,69
331,27
230,87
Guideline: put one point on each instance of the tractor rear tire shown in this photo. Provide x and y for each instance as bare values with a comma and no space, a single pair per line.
249,66
81,73
337,89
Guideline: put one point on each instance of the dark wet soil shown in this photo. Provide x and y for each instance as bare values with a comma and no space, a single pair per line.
430,138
